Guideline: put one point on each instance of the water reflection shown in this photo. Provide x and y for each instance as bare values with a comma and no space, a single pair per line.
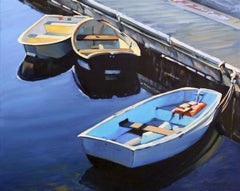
44,7
153,177
97,83
33,68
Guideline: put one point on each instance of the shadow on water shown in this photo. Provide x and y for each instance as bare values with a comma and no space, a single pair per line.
108,176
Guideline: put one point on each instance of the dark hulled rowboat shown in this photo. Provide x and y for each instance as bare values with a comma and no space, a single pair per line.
107,60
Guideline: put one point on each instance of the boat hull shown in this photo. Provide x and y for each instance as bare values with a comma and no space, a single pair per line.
104,76
132,159
107,60
55,50
50,36
152,132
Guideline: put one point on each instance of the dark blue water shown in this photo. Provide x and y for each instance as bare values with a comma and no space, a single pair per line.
40,121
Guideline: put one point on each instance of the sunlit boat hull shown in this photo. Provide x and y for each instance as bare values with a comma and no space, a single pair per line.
106,139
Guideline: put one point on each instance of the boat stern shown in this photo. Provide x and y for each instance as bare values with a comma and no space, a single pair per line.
107,150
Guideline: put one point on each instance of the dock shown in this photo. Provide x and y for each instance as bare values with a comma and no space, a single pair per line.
201,38
183,43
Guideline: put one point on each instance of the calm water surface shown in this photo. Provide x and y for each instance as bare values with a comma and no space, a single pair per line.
40,121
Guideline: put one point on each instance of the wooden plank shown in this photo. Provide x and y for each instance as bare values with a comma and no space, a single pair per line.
43,39
159,130
61,23
133,141
136,125
145,127
89,51
60,28
100,37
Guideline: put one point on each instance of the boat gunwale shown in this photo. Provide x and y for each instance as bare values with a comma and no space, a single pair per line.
204,118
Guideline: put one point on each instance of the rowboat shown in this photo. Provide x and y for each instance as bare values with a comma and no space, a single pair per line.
93,37
50,36
154,129
48,48
107,60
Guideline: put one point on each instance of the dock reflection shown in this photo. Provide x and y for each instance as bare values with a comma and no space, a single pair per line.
155,176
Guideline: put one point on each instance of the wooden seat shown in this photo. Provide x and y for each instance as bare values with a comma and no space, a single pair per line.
59,28
43,38
158,129
97,37
146,127
90,51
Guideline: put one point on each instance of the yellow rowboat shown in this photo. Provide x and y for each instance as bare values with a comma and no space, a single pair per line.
48,48
49,37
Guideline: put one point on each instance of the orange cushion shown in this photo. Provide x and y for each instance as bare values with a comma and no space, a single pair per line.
189,109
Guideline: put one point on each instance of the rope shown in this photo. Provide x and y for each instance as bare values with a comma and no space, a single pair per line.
226,100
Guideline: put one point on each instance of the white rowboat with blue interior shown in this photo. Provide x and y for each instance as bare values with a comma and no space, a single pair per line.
154,129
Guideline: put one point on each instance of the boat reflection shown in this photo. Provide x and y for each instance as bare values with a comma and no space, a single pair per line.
155,176
32,69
